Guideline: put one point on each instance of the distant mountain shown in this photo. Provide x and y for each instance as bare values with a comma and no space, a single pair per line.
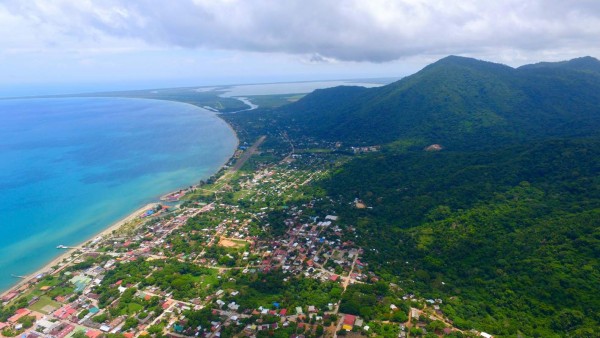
582,64
458,102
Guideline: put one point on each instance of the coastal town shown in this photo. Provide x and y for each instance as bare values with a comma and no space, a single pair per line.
252,252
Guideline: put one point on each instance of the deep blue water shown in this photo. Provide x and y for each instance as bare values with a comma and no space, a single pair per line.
71,167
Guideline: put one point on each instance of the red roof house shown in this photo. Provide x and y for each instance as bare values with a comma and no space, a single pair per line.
93,333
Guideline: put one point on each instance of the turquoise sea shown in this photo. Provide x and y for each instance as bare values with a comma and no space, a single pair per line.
71,167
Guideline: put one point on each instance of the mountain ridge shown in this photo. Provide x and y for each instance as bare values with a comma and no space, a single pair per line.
476,98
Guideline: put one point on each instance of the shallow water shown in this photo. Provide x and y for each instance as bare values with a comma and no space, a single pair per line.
71,167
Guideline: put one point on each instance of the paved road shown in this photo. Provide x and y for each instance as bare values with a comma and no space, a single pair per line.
246,155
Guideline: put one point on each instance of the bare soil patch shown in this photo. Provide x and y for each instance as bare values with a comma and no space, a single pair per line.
228,243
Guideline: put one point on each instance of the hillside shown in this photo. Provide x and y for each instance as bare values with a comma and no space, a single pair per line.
510,238
502,223
458,102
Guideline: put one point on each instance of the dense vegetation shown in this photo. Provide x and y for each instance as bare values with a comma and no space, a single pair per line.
511,238
504,222
457,102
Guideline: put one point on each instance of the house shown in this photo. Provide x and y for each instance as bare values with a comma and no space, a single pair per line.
9,296
93,333
64,312
486,335
414,313
45,325
178,328
348,322
80,282
68,329
18,315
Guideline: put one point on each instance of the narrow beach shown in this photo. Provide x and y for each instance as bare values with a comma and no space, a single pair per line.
69,252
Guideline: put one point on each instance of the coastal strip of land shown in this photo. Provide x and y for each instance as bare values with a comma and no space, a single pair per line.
157,274
69,251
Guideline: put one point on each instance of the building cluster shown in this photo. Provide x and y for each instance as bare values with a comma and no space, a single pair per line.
218,236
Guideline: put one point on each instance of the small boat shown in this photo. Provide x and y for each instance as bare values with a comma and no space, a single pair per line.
61,247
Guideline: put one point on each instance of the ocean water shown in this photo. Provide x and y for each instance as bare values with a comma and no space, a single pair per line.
71,167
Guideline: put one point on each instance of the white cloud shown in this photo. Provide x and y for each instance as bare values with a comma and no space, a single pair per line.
212,41
352,30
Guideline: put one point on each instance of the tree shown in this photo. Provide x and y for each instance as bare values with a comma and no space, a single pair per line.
568,320
79,334
399,317
83,313
100,318
156,329
436,326
27,321
319,331
130,322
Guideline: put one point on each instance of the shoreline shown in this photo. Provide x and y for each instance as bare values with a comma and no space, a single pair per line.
71,250
116,225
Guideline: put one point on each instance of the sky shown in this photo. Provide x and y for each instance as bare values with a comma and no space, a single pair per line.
53,46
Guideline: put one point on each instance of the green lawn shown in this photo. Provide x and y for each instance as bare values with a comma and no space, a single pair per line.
276,100
134,308
44,301
60,291
208,279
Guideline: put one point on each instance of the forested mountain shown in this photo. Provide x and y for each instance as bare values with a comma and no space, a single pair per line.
457,102
504,221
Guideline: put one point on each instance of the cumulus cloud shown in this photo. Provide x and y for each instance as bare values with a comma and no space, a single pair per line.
321,30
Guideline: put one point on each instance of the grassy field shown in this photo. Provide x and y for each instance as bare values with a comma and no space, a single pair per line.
274,101
42,303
